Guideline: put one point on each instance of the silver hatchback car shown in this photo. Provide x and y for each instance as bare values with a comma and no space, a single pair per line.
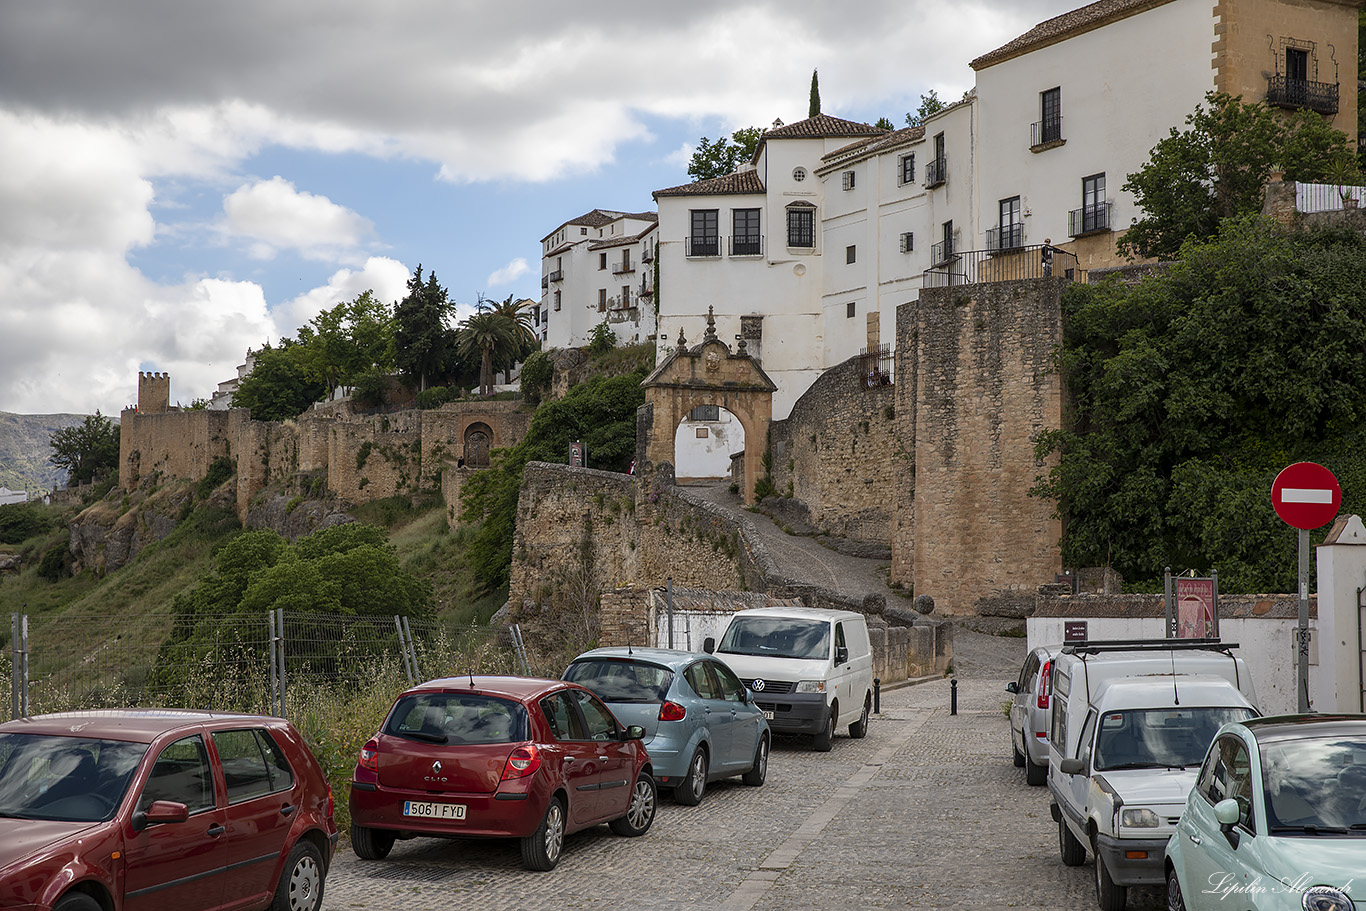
1029,713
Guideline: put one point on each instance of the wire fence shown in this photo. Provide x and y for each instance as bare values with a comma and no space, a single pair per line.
260,664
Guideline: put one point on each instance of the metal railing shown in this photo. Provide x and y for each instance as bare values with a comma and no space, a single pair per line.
936,172
1327,197
943,252
877,367
1286,92
747,245
1089,219
1043,132
622,268
1005,237
557,275
971,267
702,246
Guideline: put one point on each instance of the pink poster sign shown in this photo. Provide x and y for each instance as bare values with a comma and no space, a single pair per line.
1194,608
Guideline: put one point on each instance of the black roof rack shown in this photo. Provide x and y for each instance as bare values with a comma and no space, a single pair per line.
1096,646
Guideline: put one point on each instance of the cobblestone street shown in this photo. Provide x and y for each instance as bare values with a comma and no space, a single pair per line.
926,812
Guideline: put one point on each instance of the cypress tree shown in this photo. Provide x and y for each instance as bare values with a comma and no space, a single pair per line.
815,96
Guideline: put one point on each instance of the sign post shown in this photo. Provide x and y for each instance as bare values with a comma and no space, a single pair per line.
1305,495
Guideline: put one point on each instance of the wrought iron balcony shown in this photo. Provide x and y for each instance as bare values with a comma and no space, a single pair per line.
557,275
937,172
1089,219
942,252
1006,237
969,267
1045,132
747,245
702,246
545,282
622,268
1286,92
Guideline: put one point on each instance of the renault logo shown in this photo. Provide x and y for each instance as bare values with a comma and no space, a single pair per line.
436,766
757,685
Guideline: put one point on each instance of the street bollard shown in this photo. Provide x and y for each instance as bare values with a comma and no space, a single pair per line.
877,695
953,696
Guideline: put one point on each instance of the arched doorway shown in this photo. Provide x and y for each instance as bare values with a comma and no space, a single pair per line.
704,442
478,444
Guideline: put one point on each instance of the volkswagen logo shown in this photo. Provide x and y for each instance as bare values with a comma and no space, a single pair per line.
757,685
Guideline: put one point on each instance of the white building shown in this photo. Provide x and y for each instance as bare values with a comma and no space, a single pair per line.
222,397
8,496
598,268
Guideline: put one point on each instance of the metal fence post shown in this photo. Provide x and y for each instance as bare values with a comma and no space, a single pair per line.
403,649
14,666
280,624
274,671
516,631
412,649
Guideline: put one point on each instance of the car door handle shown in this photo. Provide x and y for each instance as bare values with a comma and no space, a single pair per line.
569,760
287,809
1195,839
216,831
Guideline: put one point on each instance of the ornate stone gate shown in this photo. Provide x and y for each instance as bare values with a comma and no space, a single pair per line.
706,374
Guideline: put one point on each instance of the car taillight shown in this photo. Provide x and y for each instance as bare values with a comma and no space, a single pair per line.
1045,684
369,756
524,761
672,711
331,806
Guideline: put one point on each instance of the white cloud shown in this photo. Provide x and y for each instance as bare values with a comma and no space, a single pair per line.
509,273
274,215
386,279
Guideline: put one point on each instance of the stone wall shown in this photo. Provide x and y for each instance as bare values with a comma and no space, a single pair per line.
170,444
985,389
837,454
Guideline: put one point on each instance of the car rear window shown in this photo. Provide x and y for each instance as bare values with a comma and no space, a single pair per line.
457,718
64,778
622,681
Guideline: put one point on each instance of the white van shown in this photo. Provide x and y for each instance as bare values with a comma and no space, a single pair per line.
810,670
1131,723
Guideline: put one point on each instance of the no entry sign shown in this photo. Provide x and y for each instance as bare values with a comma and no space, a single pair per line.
1306,495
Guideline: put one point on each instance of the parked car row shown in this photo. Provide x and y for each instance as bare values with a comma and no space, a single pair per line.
1159,767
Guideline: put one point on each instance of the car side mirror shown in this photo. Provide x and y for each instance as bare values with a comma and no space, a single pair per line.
841,654
635,732
1012,687
1226,813
160,811
709,645
1071,767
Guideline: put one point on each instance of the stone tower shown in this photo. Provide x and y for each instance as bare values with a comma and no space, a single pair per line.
154,393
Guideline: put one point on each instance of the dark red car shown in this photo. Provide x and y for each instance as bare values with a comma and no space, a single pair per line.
511,757
156,809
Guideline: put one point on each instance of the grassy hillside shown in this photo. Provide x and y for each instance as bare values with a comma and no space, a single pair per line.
24,450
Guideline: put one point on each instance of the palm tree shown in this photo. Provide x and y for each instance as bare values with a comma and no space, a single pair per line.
526,339
491,335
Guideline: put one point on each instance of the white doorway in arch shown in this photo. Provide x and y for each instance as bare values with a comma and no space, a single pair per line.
704,442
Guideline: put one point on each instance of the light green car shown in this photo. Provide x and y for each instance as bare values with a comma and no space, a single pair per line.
1277,818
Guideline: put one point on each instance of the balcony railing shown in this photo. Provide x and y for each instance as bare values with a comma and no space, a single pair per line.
937,172
702,246
623,268
747,245
1006,237
1045,131
545,282
557,275
648,257
968,267
1089,219
942,252
1285,92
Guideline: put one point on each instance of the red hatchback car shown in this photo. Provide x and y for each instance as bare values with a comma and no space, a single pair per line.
156,809
511,757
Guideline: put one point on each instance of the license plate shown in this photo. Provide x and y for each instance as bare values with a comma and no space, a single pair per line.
433,810
768,715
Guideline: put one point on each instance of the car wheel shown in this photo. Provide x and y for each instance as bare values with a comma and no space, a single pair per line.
76,901
759,771
1110,896
1175,900
1073,852
541,849
689,790
641,811
371,844
1016,756
1035,774
860,728
301,883
822,741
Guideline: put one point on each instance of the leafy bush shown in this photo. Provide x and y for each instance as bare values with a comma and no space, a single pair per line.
219,471
435,397
370,389
601,340
52,566
19,522
538,372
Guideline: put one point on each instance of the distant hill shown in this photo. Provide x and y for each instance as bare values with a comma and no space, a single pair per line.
24,450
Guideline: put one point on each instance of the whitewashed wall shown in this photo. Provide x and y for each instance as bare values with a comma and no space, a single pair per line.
707,456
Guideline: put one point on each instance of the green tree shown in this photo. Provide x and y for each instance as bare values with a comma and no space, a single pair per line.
86,450
814,108
488,336
929,104
19,522
538,372
1193,388
601,339
884,123
717,159
423,342
523,332
278,387
1218,167
601,411
342,343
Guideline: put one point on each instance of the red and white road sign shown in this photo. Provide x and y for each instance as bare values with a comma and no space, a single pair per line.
1306,495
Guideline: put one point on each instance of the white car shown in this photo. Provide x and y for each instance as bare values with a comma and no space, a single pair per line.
1029,713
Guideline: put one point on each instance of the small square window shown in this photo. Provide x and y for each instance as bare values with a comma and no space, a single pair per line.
848,179
849,309
583,232
850,253
908,242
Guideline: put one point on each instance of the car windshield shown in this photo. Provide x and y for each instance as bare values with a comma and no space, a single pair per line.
777,637
72,779
457,718
622,681
1173,738
1315,785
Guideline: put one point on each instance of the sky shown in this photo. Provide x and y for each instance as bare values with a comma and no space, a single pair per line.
181,181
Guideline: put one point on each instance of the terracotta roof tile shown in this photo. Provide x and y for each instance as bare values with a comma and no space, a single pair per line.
875,145
1084,19
746,181
822,126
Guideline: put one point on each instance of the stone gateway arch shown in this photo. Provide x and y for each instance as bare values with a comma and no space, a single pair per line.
707,374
